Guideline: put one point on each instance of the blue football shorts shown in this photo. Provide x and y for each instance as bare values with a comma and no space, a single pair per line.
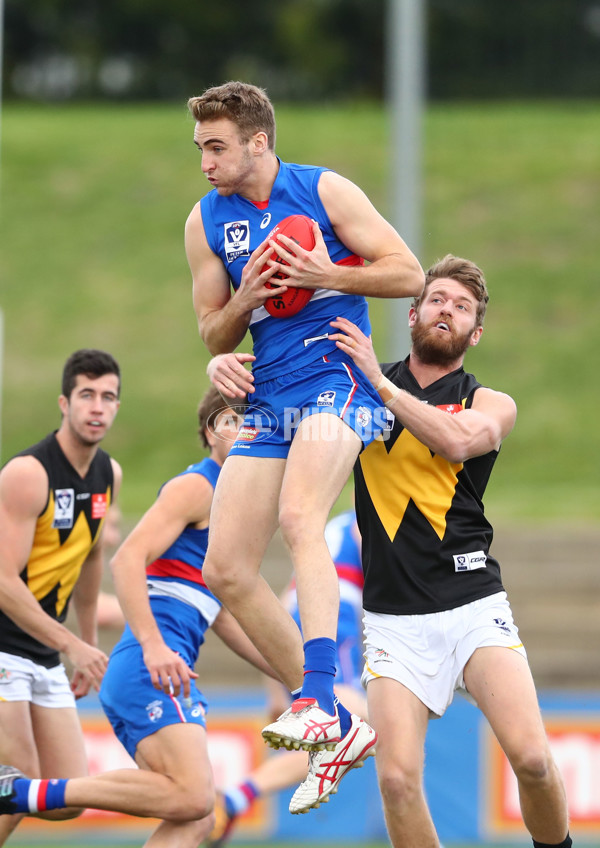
135,708
331,384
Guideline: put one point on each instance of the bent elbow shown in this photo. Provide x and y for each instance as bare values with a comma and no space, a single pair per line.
455,451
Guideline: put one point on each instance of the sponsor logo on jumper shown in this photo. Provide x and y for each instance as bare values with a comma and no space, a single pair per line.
265,221
452,408
469,562
99,505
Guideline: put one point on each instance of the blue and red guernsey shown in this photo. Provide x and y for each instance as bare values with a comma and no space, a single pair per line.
178,572
235,227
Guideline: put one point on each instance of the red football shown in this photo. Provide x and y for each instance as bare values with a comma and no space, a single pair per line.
300,229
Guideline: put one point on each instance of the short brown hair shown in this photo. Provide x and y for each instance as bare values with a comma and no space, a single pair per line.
247,106
463,271
91,362
209,410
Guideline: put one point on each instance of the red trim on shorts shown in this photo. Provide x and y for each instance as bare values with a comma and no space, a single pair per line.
178,708
352,392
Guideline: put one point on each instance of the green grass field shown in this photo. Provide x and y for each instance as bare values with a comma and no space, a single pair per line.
94,200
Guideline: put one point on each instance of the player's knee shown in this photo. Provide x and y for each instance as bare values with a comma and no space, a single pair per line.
225,578
189,804
399,787
294,523
532,765
216,573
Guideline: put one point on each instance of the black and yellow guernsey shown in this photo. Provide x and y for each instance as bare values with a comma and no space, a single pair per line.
65,532
426,539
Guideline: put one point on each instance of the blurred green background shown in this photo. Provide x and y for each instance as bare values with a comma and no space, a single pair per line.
98,174
94,201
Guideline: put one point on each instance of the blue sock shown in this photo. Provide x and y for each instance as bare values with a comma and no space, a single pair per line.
35,796
319,671
345,716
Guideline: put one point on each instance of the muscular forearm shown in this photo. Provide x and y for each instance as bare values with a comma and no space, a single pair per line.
396,275
222,330
17,602
131,588
456,437
88,622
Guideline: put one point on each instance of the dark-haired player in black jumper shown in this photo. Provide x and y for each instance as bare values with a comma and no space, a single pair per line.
54,497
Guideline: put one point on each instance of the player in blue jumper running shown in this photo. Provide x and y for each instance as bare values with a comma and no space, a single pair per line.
290,462
148,691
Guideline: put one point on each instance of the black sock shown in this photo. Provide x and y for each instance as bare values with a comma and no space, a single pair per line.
566,843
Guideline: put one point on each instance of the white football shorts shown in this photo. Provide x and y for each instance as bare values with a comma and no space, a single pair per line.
23,680
428,653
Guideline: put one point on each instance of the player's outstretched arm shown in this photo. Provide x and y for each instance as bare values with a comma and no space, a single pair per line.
471,432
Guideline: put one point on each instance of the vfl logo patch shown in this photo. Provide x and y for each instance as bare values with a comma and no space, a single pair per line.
326,398
237,240
469,562
64,504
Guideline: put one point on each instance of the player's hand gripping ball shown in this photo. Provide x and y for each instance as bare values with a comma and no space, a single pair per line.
300,229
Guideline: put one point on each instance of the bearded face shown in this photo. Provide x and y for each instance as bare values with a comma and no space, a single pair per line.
439,342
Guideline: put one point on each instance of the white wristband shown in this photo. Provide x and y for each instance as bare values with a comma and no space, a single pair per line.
387,390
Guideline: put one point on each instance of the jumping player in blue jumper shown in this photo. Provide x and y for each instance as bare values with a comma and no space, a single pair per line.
290,461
